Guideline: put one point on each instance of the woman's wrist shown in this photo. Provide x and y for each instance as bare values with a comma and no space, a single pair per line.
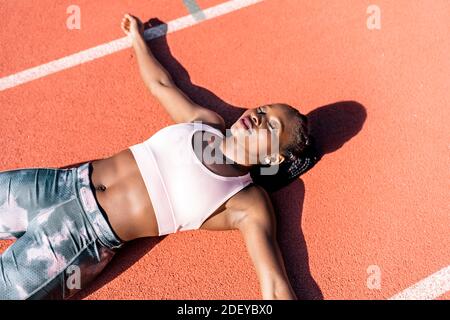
138,40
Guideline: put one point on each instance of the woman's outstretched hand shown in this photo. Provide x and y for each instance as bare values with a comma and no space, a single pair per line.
132,26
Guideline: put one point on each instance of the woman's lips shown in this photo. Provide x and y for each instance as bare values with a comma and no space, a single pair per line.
247,123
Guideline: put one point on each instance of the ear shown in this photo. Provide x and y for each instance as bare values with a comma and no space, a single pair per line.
278,159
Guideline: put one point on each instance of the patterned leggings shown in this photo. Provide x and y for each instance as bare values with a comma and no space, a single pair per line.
63,239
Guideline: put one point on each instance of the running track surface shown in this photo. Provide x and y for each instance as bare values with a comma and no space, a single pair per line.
378,99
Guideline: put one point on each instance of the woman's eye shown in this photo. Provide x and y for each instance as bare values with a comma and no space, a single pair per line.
273,125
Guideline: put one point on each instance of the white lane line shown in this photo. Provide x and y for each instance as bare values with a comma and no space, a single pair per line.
118,44
194,9
427,289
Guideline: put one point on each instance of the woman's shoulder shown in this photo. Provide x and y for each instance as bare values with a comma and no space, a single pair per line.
251,205
197,125
215,126
252,196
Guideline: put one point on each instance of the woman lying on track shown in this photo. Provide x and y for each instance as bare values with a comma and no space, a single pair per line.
195,174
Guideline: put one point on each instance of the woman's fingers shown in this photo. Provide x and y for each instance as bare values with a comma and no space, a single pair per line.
125,24
131,25
130,18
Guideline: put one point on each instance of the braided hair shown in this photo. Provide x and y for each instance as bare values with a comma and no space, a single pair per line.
300,156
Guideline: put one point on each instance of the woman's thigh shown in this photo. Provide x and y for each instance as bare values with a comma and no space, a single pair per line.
58,255
25,193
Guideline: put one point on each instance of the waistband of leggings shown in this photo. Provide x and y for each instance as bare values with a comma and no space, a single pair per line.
85,193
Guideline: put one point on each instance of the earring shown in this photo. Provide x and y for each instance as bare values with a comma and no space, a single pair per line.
267,160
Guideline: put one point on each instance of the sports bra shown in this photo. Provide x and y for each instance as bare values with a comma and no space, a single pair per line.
183,191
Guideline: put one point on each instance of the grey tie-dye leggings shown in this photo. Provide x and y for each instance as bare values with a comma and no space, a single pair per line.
63,239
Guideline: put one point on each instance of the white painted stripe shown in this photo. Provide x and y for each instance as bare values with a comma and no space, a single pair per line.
117,45
63,63
427,289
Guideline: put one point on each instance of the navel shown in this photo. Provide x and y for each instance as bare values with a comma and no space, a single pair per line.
100,187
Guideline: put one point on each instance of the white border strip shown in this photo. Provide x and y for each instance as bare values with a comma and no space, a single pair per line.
427,289
117,45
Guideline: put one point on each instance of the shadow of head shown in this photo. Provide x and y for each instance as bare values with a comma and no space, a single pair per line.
334,124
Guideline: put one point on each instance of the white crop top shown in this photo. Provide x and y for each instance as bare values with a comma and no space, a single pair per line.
183,191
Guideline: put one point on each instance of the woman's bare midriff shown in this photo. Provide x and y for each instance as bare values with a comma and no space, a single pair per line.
121,192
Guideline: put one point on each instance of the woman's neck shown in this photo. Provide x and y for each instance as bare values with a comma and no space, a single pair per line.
227,148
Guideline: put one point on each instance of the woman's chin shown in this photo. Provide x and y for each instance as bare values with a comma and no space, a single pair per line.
239,132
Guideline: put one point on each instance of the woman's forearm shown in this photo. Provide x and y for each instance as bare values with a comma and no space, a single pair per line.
149,67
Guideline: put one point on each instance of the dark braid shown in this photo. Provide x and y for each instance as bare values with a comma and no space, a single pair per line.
301,141
303,162
300,156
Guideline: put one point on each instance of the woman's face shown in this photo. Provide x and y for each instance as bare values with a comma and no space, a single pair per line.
262,132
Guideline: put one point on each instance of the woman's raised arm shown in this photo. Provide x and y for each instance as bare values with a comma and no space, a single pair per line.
158,80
